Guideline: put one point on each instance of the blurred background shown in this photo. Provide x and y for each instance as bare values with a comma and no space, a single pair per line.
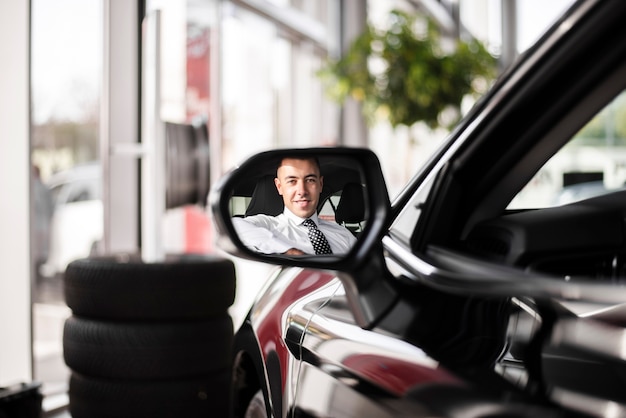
135,108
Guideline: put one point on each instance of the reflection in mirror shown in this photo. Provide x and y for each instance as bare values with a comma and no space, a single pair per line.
273,202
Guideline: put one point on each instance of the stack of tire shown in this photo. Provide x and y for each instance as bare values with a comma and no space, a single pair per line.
149,339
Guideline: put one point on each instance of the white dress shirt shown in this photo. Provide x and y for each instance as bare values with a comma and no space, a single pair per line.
277,234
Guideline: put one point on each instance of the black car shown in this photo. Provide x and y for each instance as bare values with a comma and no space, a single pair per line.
473,293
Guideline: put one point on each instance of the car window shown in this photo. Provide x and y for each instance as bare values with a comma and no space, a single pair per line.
238,205
591,164
404,224
347,207
329,207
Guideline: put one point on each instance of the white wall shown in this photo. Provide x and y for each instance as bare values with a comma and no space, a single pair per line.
15,300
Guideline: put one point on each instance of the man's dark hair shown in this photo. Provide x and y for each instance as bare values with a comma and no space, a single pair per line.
308,157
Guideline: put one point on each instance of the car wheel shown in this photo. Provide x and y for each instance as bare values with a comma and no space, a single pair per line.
147,350
204,396
257,407
190,288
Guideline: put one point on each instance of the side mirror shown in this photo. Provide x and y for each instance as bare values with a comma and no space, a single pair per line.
354,196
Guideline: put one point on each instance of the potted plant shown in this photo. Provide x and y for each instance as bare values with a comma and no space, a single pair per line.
409,72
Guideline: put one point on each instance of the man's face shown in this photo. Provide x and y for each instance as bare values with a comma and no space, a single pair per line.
300,184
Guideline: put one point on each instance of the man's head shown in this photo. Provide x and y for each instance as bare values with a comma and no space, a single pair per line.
299,182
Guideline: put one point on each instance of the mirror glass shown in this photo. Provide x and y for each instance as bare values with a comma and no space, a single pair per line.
272,198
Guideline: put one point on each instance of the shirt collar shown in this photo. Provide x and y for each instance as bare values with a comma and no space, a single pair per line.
298,220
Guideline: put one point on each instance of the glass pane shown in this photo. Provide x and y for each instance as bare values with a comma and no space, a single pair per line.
66,61
590,165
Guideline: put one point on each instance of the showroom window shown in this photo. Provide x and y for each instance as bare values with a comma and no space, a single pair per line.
250,71
66,72
271,94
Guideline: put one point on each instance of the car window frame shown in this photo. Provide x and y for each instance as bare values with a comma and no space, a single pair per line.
564,121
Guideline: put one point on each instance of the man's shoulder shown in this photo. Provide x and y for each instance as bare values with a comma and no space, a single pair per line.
261,219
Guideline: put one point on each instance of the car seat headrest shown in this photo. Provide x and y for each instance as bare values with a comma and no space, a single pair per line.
351,207
265,198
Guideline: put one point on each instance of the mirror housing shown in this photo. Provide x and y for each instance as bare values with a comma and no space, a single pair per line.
338,165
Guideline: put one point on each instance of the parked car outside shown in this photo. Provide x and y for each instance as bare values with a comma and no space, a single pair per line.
581,191
472,293
76,224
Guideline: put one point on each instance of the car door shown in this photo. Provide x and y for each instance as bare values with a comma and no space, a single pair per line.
451,280
346,370
457,231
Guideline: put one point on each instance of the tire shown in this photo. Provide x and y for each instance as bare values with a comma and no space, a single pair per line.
190,288
147,350
256,407
206,396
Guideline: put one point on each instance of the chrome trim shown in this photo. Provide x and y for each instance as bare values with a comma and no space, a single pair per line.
483,278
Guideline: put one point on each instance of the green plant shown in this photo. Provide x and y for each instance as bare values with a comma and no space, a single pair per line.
409,72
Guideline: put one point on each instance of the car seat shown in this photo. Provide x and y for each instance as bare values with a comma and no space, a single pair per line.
265,198
351,208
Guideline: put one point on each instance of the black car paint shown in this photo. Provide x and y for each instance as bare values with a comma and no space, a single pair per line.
419,291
